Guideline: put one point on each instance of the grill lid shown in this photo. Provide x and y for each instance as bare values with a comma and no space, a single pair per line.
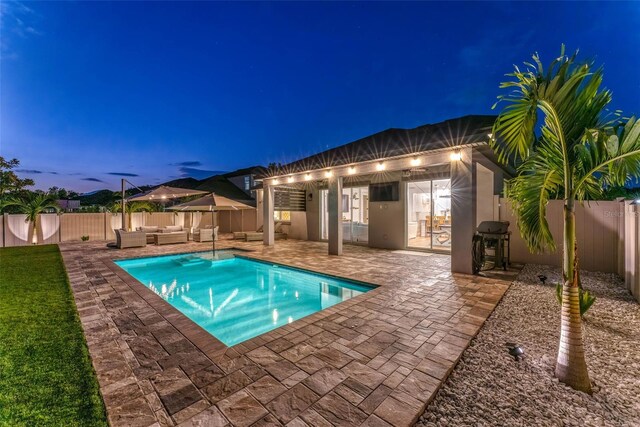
493,227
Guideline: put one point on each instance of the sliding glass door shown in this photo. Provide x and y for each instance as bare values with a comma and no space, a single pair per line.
429,214
354,209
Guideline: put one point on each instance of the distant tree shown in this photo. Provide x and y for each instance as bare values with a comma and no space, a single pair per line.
568,147
613,193
10,183
62,193
32,205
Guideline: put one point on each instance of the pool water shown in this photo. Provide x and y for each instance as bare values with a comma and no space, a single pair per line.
235,298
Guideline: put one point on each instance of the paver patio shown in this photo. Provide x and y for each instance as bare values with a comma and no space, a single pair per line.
377,359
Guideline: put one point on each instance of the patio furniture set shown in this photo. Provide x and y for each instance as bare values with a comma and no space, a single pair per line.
162,236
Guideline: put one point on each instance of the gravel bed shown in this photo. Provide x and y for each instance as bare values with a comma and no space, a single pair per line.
488,387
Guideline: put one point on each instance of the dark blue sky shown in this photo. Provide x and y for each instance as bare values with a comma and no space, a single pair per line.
91,90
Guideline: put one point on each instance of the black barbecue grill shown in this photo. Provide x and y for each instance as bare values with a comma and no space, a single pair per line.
490,244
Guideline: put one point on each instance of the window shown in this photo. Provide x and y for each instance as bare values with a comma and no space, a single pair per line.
247,183
282,216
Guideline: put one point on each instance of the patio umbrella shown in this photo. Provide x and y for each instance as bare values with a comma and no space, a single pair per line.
161,194
211,203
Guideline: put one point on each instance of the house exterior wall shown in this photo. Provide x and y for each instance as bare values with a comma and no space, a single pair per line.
313,212
484,194
388,220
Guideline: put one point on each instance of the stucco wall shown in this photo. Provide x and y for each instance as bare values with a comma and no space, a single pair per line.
484,194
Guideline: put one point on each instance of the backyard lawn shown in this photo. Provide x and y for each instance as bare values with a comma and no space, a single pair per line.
46,377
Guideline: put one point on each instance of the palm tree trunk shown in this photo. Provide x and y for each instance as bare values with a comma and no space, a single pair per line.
34,237
571,366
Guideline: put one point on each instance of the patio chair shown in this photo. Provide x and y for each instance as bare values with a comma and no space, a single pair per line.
205,234
130,239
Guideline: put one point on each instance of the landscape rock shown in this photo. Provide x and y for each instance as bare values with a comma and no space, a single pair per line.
488,387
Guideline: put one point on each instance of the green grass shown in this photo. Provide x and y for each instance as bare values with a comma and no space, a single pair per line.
46,377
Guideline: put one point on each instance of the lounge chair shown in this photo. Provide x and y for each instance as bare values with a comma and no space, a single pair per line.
130,239
259,235
205,234
242,235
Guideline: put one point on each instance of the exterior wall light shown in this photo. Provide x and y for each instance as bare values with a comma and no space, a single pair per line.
380,166
275,181
456,156
307,177
352,170
328,174
415,161
291,179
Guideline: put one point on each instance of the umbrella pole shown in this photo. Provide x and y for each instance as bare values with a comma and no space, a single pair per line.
213,234
124,220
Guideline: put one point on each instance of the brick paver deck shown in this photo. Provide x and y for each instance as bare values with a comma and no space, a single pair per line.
376,360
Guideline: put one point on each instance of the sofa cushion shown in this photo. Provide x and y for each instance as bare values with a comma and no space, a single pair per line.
172,228
149,228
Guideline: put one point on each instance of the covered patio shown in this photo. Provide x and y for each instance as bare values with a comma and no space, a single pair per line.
377,359
425,188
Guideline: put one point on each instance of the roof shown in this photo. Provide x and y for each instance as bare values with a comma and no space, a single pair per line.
472,129
220,185
252,170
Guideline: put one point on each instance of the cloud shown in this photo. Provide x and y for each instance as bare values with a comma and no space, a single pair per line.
186,172
188,163
18,19
35,171
122,174
92,179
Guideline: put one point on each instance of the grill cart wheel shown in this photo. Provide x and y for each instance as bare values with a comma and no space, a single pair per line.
478,253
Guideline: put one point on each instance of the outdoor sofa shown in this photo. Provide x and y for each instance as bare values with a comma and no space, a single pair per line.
130,239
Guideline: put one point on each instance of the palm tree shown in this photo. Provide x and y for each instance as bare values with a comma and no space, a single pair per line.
32,205
556,129
132,207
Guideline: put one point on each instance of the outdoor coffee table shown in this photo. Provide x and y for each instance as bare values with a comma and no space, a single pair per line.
169,238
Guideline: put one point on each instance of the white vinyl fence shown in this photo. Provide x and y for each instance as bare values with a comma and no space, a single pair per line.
67,227
608,234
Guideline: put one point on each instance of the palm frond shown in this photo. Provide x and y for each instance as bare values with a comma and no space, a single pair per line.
539,180
608,157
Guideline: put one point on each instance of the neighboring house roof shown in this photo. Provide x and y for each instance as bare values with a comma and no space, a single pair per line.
394,142
252,170
220,185
188,182
68,204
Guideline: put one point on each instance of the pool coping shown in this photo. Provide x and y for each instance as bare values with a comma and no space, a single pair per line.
200,337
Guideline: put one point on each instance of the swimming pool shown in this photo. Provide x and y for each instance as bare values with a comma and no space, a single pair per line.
234,298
